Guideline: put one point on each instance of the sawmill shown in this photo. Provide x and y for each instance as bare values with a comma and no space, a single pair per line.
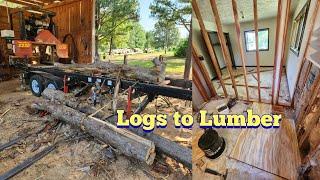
59,101
263,57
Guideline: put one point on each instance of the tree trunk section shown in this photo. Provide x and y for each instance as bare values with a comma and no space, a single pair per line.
126,142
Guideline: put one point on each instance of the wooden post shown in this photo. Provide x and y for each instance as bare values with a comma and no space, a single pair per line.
187,65
197,82
256,30
203,71
240,46
282,60
125,59
276,48
209,45
225,50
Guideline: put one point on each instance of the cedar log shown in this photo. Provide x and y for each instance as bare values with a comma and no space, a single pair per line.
126,142
172,149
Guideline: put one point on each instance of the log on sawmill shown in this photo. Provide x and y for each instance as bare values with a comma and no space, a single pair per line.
172,149
124,141
155,74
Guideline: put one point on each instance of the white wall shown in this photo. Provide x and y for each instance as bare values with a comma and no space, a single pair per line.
266,57
293,61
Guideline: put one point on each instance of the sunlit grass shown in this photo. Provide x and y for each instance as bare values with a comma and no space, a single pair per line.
175,65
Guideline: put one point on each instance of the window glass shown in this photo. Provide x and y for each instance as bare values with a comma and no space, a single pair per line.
250,40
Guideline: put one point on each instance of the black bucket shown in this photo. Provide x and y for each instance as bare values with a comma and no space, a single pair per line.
212,144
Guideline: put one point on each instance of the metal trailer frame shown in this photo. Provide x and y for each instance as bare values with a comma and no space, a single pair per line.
58,75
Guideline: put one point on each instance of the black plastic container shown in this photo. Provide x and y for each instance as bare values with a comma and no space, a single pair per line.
212,144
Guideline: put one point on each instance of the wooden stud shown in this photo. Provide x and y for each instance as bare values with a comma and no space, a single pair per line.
225,50
276,48
209,46
197,82
239,42
256,30
250,86
203,71
283,48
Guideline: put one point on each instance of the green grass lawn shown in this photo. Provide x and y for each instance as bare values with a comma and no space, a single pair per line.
175,65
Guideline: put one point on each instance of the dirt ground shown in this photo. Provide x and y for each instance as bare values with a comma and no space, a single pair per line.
82,158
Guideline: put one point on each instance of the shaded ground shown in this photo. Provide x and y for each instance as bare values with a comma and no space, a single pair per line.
84,158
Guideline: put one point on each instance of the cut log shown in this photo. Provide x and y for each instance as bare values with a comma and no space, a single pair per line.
155,74
172,149
126,142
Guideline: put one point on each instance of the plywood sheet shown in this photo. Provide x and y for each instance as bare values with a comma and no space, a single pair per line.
230,136
273,150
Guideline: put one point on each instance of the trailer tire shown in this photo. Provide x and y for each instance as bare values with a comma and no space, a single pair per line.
52,85
36,85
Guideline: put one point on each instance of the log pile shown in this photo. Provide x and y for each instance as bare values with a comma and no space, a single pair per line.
133,142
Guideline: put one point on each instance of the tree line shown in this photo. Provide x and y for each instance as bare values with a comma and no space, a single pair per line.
117,25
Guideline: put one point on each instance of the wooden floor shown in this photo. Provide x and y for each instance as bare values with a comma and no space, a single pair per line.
250,153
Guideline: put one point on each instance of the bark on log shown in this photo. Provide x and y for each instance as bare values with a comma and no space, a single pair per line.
172,149
155,74
126,142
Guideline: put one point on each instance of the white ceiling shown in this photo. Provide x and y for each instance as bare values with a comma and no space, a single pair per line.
266,9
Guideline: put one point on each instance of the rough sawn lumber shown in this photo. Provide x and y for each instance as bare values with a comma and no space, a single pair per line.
124,141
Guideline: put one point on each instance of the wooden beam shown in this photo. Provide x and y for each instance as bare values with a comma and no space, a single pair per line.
209,45
276,49
256,30
225,50
250,86
203,71
62,3
239,43
197,82
283,48
24,3
35,2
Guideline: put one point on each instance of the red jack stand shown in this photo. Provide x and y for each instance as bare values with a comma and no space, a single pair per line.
65,87
129,102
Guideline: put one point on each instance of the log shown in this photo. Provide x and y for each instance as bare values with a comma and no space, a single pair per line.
155,74
126,142
172,149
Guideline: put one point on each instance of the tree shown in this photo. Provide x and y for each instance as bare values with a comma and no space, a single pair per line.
149,40
166,35
178,12
137,37
113,17
181,49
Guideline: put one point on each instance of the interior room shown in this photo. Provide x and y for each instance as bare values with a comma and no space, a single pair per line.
281,77
267,24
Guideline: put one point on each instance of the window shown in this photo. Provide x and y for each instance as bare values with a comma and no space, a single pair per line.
298,28
250,40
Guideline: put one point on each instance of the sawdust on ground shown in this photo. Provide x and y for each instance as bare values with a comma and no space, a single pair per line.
84,158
